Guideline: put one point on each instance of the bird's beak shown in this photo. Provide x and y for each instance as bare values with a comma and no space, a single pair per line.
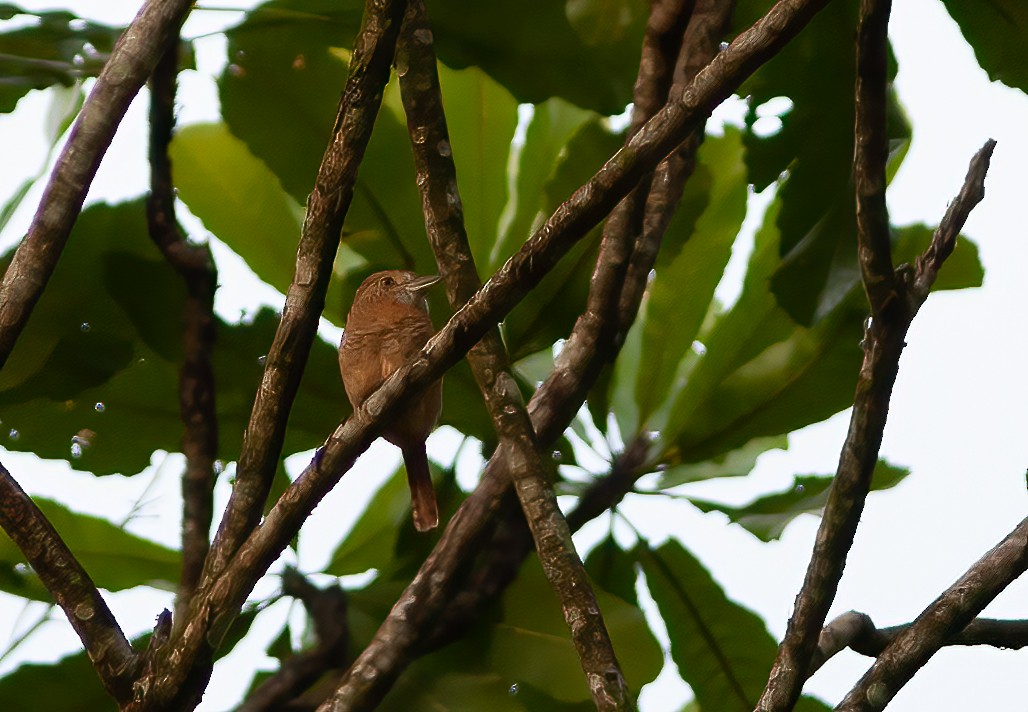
420,284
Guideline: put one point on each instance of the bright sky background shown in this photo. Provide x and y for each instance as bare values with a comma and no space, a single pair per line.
958,417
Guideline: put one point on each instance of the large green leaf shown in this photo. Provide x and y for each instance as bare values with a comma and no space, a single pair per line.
549,311
722,649
767,516
532,642
238,199
94,378
113,558
764,375
735,463
481,117
698,245
997,31
816,73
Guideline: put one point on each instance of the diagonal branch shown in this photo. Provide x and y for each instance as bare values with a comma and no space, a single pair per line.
871,151
327,206
133,58
218,603
444,221
883,343
108,648
944,618
196,377
857,632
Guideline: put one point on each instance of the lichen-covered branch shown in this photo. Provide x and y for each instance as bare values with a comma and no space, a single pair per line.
105,643
194,264
883,344
131,62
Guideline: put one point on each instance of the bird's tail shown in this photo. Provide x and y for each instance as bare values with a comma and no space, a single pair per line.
422,494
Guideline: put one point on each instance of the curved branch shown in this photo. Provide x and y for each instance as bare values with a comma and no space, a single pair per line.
62,574
134,56
948,615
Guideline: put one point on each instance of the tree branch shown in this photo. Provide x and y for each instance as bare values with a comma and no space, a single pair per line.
327,206
871,151
106,645
327,608
444,220
133,58
196,376
857,632
219,602
948,615
883,343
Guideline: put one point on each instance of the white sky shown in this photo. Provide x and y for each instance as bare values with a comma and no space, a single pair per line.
957,419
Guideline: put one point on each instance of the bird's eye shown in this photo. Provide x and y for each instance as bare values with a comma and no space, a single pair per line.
388,281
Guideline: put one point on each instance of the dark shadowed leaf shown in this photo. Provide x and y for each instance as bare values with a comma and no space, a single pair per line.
69,685
767,517
722,649
997,31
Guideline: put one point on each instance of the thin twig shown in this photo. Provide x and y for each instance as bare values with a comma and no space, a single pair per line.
871,151
422,99
883,343
62,574
858,632
949,614
134,56
327,206
196,376
217,605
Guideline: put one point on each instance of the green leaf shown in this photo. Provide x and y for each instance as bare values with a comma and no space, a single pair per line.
730,464
113,558
549,311
722,650
697,247
97,366
553,124
57,49
816,73
611,568
481,117
997,31
767,516
238,199
532,642
69,685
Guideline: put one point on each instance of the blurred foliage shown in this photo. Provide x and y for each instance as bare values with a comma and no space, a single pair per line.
529,88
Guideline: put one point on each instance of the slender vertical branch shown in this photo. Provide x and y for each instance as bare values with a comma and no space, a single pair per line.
326,210
106,645
883,343
131,62
871,150
948,615
196,376
444,221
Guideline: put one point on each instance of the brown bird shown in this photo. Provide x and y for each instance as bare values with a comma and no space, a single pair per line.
387,325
